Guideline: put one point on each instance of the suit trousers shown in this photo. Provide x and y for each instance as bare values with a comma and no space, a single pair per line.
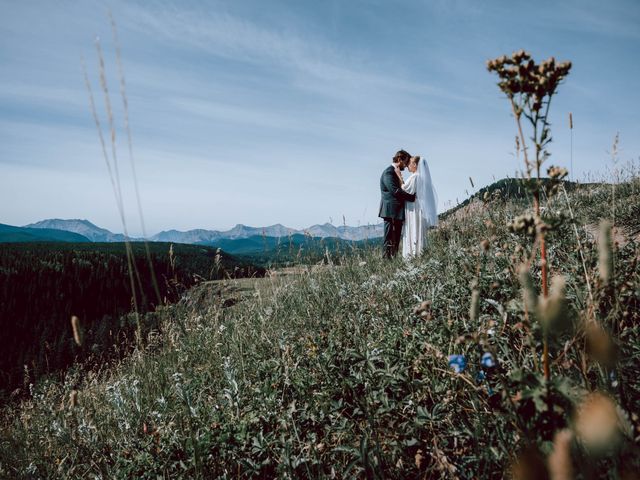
392,236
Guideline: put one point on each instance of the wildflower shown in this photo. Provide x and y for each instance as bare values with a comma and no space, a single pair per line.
458,363
487,360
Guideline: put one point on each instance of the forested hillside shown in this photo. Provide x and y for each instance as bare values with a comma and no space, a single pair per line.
43,284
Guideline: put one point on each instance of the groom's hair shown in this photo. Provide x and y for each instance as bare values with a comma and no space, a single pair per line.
401,156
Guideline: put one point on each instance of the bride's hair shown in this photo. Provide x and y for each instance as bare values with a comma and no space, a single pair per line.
415,159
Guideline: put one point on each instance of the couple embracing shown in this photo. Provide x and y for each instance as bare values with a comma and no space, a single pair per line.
408,207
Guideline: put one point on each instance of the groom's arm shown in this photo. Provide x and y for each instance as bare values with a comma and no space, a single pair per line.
392,184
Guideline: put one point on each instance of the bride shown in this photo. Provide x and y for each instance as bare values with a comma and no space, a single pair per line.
421,214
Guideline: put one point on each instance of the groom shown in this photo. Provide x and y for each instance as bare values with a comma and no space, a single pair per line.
392,203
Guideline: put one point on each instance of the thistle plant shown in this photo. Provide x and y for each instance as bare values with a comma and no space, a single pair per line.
530,88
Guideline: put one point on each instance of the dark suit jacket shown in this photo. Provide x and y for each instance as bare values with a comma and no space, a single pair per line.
393,197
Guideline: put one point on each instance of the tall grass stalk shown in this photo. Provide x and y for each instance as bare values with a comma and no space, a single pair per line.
127,127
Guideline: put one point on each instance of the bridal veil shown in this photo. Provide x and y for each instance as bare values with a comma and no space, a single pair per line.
426,194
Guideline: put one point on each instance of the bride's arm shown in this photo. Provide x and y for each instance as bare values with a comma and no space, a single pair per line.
410,185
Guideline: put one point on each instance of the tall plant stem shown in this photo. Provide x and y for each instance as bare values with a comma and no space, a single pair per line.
536,206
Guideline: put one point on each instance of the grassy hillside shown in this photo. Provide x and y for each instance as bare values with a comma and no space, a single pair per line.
345,372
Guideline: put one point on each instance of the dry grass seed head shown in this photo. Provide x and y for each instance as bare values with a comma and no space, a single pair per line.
78,335
605,252
73,399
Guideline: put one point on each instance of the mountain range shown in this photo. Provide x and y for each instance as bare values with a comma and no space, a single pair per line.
9,233
82,227
202,236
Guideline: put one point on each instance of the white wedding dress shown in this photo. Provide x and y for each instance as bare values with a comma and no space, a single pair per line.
421,214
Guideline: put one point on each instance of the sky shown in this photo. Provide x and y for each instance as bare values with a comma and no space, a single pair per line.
287,111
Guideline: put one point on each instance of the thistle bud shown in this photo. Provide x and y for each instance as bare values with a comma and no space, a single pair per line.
552,310
600,346
529,295
596,423
559,460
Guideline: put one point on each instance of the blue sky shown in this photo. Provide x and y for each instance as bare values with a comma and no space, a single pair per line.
263,112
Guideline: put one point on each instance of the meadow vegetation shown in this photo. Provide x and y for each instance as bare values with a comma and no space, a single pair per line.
344,371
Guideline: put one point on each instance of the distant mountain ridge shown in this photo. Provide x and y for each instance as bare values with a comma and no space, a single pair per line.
202,236
82,227
10,234
277,231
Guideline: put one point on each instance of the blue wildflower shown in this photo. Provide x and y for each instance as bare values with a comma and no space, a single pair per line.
480,376
458,363
487,360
